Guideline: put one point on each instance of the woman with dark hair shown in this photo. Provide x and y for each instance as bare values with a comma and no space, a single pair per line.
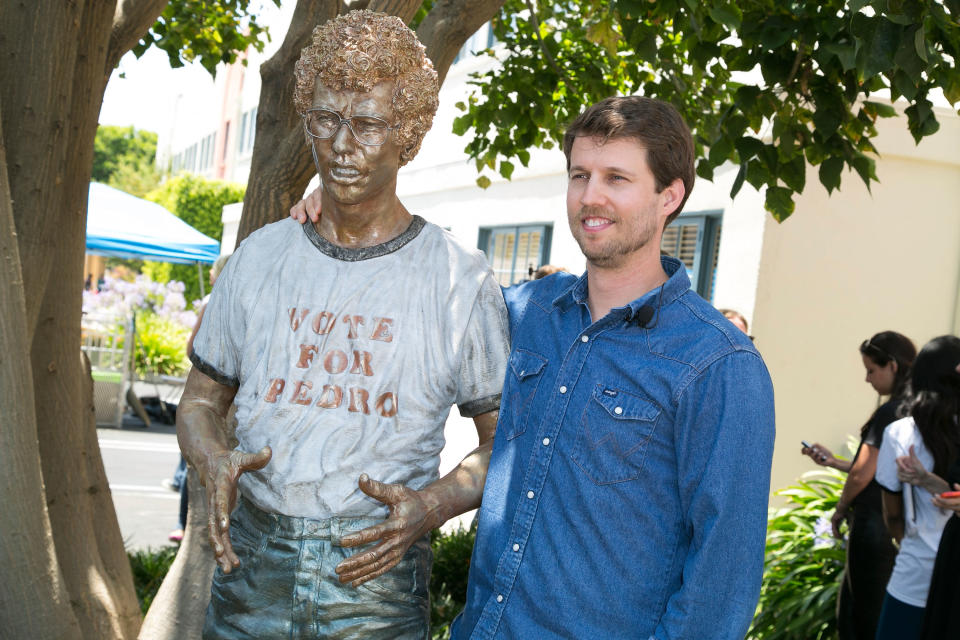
887,358
940,618
929,437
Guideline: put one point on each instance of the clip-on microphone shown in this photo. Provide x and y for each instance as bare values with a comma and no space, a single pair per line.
646,313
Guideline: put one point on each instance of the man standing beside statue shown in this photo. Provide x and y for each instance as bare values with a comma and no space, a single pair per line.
343,344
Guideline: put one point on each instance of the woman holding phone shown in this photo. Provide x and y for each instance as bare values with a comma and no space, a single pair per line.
930,438
887,358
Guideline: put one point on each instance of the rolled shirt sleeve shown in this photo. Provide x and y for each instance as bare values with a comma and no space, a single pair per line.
216,347
483,353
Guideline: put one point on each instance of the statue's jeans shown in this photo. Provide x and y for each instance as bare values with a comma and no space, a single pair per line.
285,586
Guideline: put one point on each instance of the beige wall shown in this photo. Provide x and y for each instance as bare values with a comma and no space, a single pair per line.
849,265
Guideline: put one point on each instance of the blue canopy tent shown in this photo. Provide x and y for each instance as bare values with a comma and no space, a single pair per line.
125,226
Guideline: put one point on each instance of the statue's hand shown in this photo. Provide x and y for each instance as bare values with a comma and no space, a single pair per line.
411,517
309,207
220,475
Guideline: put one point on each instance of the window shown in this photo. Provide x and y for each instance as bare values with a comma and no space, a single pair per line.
516,252
482,39
248,130
695,241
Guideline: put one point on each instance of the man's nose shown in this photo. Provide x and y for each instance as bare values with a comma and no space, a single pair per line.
592,194
343,139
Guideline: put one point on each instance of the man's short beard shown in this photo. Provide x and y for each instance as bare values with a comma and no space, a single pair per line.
611,254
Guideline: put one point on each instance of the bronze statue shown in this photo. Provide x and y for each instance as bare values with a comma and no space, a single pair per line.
343,344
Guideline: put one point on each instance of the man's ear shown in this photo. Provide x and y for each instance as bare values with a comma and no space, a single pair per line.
671,197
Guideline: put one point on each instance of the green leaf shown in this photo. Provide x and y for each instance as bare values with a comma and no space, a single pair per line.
794,173
506,169
866,168
727,15
738,181
779,202
483,182
462,124
881,109
845,53
830,171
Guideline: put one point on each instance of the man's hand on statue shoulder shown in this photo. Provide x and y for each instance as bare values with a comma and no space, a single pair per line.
411,517
309,207
219,475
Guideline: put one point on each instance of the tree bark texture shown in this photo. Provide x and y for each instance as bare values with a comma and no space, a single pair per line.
54,65
27,555
180,606
281,166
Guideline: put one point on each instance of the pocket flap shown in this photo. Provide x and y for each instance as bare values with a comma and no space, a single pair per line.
622,405
526,363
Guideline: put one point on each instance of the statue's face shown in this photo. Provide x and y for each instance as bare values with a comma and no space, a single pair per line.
352,172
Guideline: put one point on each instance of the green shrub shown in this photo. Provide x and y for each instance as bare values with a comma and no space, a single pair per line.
149,569
448,582
160,346
803,564
198,202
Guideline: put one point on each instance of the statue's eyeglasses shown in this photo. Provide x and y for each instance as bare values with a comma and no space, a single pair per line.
324,124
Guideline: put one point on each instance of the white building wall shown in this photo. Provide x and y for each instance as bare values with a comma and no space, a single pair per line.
846,266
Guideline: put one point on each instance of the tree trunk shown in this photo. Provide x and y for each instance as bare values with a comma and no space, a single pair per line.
179,608
28,559
54,63
281,166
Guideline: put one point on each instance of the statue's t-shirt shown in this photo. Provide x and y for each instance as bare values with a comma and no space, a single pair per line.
347,360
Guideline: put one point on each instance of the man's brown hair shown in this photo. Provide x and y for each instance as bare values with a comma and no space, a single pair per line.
655,124
361,49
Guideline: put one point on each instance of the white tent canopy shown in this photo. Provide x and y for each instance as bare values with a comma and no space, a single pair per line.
125,226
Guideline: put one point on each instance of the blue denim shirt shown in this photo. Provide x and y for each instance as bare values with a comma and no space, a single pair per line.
627,490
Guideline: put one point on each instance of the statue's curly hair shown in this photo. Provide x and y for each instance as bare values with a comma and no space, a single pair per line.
359,50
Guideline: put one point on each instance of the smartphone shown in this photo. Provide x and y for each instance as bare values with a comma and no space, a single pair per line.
950,494
806,444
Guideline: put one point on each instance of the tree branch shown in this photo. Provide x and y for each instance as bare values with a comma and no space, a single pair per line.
543,46
449,24
131,20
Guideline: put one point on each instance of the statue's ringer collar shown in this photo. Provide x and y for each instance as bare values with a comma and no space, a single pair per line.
364,253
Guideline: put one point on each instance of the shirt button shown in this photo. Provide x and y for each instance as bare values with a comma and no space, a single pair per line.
499,598
584,339
563,389
618,410
546,441
516,547
530,494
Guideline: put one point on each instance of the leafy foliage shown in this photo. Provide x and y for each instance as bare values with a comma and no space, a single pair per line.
211,32
769,86
161,346
803,564
198,202
448,582
149,569
124,158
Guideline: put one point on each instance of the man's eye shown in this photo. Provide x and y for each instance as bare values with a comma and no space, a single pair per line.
366,126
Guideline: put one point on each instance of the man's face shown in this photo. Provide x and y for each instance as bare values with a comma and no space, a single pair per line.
352,172
613,206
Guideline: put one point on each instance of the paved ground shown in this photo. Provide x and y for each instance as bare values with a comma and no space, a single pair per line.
137,460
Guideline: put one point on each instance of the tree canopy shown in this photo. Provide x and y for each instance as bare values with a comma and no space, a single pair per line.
767,85
124,158
208,32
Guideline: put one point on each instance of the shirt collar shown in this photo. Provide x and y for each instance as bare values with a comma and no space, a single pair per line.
676,285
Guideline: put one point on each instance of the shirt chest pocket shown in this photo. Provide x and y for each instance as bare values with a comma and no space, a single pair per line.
615,428
524,372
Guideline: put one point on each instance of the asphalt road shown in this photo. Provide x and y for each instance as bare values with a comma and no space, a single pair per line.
137,460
